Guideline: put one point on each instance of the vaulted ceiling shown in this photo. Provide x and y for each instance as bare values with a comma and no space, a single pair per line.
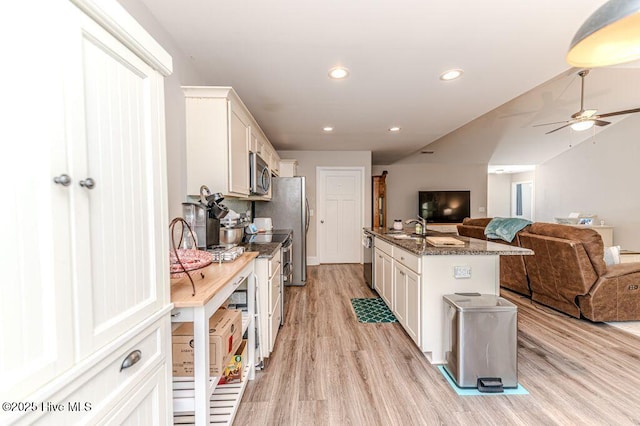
277,54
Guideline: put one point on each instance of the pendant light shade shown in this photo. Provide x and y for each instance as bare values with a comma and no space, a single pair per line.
610,36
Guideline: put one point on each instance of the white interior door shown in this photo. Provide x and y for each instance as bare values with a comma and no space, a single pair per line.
339,222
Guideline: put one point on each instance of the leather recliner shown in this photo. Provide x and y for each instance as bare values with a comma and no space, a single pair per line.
568,273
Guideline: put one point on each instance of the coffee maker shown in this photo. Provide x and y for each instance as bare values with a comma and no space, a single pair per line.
204,219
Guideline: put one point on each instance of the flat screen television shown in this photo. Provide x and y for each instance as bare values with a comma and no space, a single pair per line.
444,206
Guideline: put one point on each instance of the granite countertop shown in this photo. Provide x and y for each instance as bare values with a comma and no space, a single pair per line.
264,250
421,247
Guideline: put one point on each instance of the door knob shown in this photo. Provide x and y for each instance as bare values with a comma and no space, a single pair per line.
88,183
63,180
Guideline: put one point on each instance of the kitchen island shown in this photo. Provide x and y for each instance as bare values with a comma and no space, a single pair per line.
411,275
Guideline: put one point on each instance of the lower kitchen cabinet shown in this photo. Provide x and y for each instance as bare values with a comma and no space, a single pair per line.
268,285
407,300
384,277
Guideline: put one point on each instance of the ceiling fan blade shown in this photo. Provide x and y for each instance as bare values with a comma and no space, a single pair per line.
626,111
561,127
601,122
548,124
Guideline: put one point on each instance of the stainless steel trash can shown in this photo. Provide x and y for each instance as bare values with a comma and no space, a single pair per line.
480,339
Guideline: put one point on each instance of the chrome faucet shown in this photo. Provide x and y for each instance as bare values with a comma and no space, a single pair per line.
421,221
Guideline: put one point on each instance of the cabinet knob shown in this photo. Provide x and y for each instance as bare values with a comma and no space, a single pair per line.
63,180
322,221
401,273
88,183
131,359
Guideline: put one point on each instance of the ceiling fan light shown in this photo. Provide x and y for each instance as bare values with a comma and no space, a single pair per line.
582,125
611,35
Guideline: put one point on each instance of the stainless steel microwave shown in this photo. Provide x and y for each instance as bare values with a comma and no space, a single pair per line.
260,174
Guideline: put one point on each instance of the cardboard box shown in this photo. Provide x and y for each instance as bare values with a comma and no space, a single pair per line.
225,336
235,367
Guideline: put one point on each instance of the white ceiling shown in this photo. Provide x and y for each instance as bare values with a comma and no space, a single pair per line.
277,53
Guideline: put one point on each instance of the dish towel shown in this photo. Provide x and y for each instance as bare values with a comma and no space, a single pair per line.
505,228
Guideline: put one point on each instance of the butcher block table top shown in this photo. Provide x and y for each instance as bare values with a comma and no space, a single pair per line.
208,281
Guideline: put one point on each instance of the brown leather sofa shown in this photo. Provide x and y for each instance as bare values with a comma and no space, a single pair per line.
567,271
513,274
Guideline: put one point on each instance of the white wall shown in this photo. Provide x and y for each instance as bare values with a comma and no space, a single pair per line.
184,73
307,163
499,195
599,177
405,180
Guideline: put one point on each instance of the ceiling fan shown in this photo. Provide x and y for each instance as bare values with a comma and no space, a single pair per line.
586,118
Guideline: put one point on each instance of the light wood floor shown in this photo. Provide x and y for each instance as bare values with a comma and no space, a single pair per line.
328,369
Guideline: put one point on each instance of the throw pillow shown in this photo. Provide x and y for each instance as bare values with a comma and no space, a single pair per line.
612,255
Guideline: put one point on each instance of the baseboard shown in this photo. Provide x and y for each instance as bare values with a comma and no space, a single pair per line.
312,261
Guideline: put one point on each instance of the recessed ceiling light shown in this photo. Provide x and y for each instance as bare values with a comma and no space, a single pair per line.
451,74
394,129
338,73
327,129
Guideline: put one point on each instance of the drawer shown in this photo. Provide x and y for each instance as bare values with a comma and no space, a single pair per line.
274,264
274,291
274,324
104,385
147,404
383,246
409,260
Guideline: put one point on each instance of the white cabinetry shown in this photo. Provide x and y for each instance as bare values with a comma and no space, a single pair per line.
383,271
384,277
85,269
268,273
407,292
218,139
288,168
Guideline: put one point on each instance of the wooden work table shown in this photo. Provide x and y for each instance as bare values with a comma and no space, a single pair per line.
214,284
208,281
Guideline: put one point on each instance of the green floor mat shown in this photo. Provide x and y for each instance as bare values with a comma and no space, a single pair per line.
372,310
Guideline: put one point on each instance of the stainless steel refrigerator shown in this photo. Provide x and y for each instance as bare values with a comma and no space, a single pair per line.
289,208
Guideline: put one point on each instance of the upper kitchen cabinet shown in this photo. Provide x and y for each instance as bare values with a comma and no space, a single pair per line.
274,162
85,260
218,139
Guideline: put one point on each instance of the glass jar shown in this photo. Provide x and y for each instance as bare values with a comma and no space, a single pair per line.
397,225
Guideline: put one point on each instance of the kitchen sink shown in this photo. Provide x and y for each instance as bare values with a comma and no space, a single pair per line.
408,237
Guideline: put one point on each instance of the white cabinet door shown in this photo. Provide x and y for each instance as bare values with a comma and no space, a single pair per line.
407,299
400,278
239,141
35,307
119,245
387,279
412,318
378,272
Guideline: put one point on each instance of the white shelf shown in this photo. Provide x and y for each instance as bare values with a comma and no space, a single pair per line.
224,403
184,393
